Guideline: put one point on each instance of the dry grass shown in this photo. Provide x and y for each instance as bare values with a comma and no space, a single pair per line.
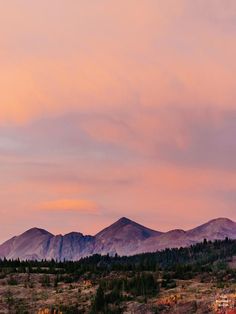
20,293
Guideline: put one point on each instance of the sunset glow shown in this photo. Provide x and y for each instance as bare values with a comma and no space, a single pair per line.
116,108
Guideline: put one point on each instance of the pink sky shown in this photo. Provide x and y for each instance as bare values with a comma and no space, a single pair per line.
112,109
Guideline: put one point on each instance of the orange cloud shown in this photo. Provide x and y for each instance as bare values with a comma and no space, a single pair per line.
75,205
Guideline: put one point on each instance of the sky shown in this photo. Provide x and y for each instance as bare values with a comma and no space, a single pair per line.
116,108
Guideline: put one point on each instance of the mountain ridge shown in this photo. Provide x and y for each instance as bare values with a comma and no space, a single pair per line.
123,237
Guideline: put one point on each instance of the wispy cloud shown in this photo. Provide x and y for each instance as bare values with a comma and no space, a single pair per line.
132,111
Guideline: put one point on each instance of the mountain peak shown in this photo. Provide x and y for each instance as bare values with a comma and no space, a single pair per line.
36,231
217,228
124,237
124,221
124,227
221,220
117,226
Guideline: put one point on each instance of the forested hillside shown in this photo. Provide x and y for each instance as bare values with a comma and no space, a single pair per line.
113,282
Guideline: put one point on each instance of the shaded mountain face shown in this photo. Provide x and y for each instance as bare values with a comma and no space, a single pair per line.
215,229
124,237
31,244
37,244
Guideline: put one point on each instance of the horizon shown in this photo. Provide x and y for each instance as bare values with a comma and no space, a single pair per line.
116,221
116,109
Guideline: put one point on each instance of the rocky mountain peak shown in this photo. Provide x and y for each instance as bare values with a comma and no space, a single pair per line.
36,231
123,237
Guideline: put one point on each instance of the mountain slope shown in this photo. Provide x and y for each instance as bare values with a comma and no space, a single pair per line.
124,237
39,244
71,246
170,239
31,244
219,229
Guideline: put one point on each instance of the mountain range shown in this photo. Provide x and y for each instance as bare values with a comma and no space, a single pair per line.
124,237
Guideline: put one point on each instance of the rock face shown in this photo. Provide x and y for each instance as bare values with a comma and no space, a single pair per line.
215,229
31,244
124,237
